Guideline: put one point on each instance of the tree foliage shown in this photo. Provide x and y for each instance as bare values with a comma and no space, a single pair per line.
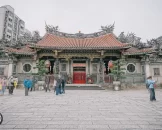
23,40
41,68
36,36
131,38
155,43
118,71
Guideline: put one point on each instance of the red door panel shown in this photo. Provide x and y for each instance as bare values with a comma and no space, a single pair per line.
79,77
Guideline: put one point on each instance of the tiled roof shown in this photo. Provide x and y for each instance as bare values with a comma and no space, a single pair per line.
135,51
107,41
25,50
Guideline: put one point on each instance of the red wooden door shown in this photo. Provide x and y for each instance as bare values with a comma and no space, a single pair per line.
79,77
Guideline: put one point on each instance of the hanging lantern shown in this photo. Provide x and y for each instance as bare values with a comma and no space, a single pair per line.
110,64
47,63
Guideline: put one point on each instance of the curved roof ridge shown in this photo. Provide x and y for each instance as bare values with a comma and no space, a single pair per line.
103,41
78,35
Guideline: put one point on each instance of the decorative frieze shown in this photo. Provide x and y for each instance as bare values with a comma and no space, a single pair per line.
45,54
4,62
69,56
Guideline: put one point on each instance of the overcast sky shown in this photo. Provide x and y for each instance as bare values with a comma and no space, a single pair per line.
143,17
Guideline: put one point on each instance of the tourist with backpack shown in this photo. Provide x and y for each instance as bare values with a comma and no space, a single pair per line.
150,85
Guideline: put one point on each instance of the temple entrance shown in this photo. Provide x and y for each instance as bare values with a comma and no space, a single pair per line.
79,73
108,78
51,66
79,77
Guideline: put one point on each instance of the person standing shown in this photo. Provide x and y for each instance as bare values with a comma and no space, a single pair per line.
15,82
47,82
54,84
34,82
63,84
4,84
27,84
150,83
1,86
10,85
58,86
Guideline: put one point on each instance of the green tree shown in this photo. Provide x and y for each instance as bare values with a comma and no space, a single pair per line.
41,68
118,71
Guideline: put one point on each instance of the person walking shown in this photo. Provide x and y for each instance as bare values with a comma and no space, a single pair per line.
47,82
150,83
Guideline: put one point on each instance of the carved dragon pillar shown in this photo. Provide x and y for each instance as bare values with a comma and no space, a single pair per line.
57,66
101,70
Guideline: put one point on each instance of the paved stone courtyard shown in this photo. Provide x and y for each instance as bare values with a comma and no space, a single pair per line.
82,109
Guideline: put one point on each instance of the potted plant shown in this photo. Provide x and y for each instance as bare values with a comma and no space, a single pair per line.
118,73
42,70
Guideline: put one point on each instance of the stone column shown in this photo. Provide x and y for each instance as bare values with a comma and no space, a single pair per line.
147,69
70,66
57,63
89,66
87,69
10,67
101,71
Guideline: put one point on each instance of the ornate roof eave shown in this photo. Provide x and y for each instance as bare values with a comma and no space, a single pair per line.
22,53
83,48
137,53
18,52
25,53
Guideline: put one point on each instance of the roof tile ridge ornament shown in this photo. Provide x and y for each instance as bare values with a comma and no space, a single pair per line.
104,30
108,28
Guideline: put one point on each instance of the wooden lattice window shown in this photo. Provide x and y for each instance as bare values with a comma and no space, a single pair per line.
131,68
27,67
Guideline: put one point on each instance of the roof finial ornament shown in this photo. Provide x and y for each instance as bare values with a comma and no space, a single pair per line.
108,28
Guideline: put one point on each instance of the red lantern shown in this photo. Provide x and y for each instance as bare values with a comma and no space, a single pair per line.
110,64
47,63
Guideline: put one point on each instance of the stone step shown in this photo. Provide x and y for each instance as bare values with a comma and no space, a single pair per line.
81,87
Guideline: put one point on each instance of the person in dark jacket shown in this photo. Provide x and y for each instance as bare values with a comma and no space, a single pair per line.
47,82
58,86
10,85
63,84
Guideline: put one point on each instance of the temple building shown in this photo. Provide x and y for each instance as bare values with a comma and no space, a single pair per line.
82,58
